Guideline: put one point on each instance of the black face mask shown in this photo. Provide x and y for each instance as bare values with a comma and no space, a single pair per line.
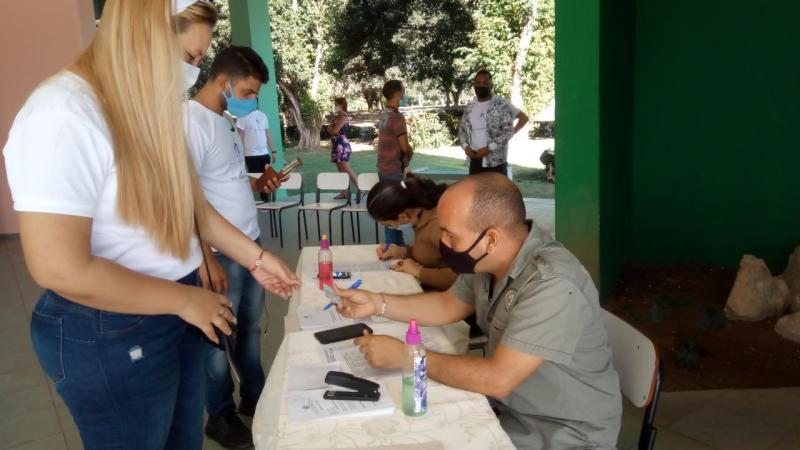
461,262
483,92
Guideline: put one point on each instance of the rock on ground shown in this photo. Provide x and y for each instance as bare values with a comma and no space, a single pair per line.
756,294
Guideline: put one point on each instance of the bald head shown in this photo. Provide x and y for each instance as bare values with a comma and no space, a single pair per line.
487,200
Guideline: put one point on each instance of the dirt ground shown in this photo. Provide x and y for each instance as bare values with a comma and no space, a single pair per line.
681,310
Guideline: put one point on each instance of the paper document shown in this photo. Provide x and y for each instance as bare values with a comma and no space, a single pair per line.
303,378
353,361
315,318
307,406
355,269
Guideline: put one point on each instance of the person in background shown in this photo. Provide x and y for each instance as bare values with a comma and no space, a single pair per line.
237,74
340,145
110,211
412,202
258,147
548,365
394,151
487,127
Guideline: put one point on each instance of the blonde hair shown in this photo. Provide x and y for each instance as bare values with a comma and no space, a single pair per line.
133,67
200,12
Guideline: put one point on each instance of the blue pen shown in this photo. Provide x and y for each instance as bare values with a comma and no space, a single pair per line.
386,247
355,285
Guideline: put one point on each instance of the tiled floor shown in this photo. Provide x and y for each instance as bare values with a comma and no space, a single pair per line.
33,416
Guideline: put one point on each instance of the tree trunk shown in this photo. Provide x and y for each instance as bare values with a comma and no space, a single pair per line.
307,128
521,138
522,54
457,96
315,79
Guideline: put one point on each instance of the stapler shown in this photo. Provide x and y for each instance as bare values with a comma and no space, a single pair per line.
360,389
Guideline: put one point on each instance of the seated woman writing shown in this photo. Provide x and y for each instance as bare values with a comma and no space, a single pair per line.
395,203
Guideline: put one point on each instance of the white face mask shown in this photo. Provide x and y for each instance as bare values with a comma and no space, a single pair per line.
337,110
190,73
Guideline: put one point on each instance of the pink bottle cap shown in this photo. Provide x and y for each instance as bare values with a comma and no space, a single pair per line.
412,335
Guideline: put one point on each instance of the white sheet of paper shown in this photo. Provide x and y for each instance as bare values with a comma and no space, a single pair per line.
315,318
303,378
307,406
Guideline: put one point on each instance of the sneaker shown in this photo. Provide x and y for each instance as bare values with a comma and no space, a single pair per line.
247,407
229,431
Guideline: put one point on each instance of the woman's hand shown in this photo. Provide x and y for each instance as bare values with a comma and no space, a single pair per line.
275,276
409,266
393,252
218,281
208,311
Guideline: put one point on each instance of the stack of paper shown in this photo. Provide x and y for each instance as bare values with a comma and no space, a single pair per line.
305,402
315,318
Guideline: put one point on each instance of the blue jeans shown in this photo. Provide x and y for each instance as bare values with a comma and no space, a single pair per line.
247,297
130,381
392,236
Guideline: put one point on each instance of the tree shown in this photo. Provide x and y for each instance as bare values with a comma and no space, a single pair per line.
301,32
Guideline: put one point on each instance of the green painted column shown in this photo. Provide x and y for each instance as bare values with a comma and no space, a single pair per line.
250,26
577,142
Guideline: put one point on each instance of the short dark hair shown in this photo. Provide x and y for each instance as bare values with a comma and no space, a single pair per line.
483,72
496,202
392,87
239,62
341,101
387,199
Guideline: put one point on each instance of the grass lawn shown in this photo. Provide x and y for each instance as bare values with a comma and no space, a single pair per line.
530,181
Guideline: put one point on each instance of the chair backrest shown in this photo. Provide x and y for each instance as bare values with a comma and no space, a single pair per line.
635,358
366,181
295,181
332,181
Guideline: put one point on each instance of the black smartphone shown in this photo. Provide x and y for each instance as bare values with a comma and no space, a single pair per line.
342,333
338,275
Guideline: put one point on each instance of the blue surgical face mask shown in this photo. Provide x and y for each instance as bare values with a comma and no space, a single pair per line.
238,107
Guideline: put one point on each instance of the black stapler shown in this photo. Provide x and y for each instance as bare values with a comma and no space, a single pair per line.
360,389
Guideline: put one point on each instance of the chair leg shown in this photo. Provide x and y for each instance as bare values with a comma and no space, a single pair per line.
271,224
299,240
274,220
358,226
341,226
377,236
319,230
330,226
647,436
305,224
280,228
352,227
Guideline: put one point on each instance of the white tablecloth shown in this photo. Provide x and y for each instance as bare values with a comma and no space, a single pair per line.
455,419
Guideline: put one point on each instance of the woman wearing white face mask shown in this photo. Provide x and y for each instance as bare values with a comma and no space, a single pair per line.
109,225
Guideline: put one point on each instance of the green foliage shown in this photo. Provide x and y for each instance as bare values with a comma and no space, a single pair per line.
428,130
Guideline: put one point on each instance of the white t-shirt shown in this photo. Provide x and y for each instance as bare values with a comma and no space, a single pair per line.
255,126
217,151
59,160
477,118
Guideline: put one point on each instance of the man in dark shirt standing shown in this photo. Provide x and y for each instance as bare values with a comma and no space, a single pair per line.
394,151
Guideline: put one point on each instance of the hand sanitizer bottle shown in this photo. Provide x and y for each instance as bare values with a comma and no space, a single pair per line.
415,375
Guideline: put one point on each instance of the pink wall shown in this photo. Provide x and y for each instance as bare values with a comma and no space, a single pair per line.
36,39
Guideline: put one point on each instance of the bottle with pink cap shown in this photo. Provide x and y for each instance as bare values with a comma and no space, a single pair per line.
325,263
415,374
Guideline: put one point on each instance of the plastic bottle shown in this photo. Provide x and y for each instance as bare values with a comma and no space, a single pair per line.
325,261
415,376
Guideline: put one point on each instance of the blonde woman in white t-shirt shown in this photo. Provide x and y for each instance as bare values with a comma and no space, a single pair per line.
108,200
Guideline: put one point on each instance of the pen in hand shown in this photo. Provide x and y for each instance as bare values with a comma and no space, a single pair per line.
333,296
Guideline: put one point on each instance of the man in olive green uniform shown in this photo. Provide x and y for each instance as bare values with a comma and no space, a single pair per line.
548,365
